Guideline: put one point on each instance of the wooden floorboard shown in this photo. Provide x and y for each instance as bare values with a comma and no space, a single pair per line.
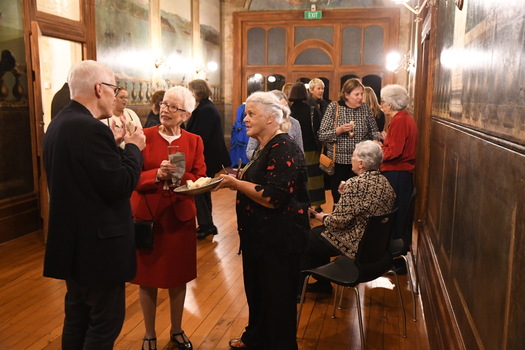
32,314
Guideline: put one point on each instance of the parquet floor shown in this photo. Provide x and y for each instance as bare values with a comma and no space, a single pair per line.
31,306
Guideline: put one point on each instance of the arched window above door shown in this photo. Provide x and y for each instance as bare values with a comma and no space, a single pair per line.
313,56
305,33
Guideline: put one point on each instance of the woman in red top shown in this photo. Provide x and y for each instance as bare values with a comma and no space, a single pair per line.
172,263
399,149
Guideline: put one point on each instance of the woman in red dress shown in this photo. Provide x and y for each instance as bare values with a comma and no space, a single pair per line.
172,262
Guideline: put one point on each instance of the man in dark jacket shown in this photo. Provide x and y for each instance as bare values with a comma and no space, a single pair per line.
91,239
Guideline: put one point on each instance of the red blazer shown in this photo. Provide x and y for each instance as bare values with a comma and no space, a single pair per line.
155,152
399,148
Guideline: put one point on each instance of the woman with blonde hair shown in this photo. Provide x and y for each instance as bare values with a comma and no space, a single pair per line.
369,97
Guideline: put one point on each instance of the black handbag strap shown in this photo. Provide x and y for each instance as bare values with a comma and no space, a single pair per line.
147,205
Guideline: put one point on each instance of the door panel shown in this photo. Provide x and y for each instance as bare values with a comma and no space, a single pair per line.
35,36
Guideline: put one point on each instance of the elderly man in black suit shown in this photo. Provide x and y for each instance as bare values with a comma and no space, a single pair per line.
91,239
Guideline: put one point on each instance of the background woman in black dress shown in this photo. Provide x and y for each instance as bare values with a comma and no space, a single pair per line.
206,122
310,121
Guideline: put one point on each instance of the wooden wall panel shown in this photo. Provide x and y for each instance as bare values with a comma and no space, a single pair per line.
475,231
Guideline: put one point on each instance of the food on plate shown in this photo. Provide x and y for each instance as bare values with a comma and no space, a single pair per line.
201,182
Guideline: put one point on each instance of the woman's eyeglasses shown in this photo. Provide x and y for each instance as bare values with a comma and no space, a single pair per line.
116,88
171,108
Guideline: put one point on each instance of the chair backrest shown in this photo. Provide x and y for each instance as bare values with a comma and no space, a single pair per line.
373,257
408,222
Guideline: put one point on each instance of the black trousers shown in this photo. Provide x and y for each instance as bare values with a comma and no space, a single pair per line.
94,315
317,254
204,209
342,173
269,283
402,182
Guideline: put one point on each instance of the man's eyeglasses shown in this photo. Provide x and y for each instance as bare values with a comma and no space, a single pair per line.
116,88
171,108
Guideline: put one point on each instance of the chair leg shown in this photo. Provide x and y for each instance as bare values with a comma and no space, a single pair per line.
360,316
415,288
341,298
401,302
411,288
335,298
303,292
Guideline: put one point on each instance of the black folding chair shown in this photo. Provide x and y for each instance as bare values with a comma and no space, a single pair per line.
372,261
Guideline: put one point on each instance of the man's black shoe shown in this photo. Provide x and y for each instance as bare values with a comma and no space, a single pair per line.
319,287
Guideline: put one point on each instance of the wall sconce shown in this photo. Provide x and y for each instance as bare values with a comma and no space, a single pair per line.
395,63
159,61
201,70
418,9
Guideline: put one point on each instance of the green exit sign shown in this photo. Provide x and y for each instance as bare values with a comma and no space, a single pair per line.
313,14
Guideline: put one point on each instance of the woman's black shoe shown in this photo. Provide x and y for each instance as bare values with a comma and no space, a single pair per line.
185,344
205,232
152,344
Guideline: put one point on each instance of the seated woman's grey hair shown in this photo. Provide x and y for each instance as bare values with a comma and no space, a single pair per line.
370,153
270,105
396,96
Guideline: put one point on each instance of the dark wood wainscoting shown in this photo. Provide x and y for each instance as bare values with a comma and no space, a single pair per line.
19,202
442,328
19,216
471,244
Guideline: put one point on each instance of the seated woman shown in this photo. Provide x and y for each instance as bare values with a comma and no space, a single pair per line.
362,196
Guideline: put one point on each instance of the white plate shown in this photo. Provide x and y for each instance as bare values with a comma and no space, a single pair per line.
199,190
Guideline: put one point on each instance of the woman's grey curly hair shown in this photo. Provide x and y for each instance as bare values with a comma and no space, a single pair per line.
370,153
396,96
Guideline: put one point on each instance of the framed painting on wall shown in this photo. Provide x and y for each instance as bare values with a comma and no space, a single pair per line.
123,38
176,65
210,33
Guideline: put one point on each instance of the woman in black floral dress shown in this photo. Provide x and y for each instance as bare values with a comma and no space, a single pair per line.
272,217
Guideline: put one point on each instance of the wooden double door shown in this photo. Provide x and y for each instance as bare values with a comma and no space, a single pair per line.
283,45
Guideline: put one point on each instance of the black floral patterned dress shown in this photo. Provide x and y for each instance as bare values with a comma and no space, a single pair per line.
272,241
